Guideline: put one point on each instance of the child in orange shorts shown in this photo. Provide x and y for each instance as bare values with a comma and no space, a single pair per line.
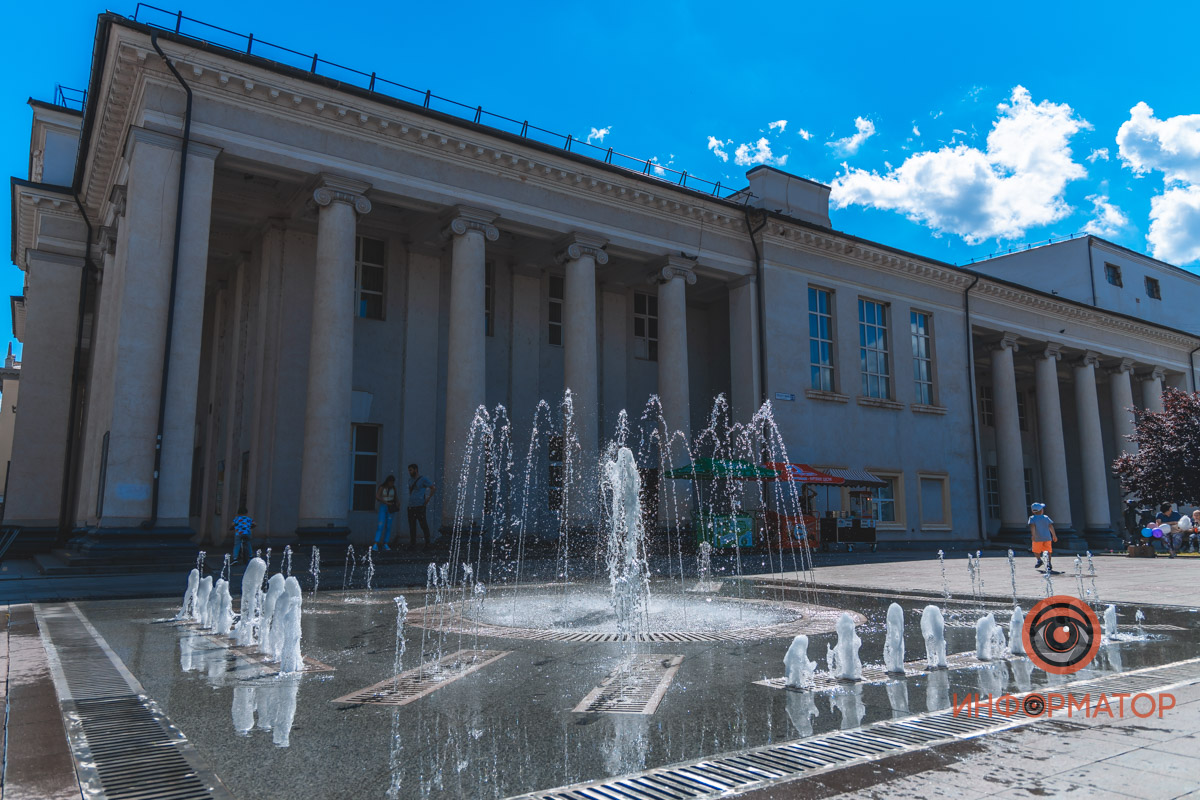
1041,529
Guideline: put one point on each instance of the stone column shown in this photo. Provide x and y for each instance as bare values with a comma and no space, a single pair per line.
1096,514
580,254
470,229
1152,389
1050,438
673,387
325,470
1121,391
745,393
1009,457
183,377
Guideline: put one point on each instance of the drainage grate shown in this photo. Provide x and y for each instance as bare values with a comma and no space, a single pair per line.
763,766
873,673
416,683
1155,627
636,686
124,747
810,620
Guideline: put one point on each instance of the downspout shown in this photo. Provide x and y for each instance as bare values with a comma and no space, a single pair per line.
1192,367
760,302
1092,269
974,408
162,389
68,478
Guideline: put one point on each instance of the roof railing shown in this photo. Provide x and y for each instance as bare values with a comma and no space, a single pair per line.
248,44
67,97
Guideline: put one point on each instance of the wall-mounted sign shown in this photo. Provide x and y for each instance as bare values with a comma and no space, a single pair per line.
785,396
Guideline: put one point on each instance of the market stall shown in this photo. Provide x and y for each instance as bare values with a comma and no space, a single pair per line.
790,517
718,517
855,525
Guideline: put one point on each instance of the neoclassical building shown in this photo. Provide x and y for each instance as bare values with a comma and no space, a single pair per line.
249,284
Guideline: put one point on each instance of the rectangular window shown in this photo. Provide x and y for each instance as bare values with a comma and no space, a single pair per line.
820,338
934,506
369,272
921,325
645,326
992,488
1028,486
1112,274
1152,290
364,467
555,331
985,407
1022,420
489,298
885,499
873,349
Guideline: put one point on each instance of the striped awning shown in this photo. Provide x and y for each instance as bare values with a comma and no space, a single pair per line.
856,477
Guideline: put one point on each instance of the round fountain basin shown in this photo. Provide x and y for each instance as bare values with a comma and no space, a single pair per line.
583,614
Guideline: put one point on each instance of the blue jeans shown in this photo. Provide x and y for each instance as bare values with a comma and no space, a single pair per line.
240,541
383,531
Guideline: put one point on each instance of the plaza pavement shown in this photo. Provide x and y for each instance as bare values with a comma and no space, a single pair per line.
1092,758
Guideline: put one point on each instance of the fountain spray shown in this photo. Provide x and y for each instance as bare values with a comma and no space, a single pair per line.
200,562
1092,575
945,583
401,619
1012,572
1079,577
314,569
348,572
370,570
287,561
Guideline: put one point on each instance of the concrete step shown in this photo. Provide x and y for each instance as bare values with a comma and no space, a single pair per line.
64,562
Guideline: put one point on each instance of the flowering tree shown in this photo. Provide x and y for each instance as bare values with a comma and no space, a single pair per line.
1166,466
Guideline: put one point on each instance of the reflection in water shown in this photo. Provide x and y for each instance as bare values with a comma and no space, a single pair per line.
1023,674
275,705
625,748
801,710
937,691
1113,653
848,703
199,653
897,692
992,679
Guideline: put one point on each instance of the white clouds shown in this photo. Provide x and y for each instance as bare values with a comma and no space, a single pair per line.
1175,225
755,153
1107,219
850,144
598,134
781,124
718,147
805,135
1098,155
1171,146
916,130
1016,183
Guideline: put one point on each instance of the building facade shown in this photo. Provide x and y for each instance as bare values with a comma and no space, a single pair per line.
251,285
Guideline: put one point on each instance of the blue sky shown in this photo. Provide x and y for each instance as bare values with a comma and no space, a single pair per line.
952,130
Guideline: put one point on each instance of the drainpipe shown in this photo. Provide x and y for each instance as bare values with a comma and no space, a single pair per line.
1192,367
760,302
1092,269
162,389
68,477
974,408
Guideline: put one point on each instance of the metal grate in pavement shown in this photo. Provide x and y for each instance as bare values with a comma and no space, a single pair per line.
761,767
873,673
420,681
124,747
636,686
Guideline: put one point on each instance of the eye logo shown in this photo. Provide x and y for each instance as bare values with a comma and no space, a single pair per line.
1062,634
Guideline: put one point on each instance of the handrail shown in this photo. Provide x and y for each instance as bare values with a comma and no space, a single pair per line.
67,97
176,21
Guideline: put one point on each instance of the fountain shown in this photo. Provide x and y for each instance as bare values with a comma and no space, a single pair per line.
1110,622
203,594
1092,576
945,583
287,561
893,645
270,606
1079,578
933,630
628,575
798,670
1012,573
200,557
843,660
224,615
290,659
989,639
370,569
348,573
401,618
1016,632
1139,619
188,609
314,569
248,607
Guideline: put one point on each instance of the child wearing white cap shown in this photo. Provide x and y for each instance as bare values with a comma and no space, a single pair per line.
1041,529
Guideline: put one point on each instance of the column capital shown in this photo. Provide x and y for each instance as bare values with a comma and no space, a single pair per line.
1052,350
461,219
575,246
1090,358
1006,341
1124,365
1154,374
335,188
672,267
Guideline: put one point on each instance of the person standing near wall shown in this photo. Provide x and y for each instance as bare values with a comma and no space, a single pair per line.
385,496
420,489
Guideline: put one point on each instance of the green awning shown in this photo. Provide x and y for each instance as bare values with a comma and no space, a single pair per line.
710,468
